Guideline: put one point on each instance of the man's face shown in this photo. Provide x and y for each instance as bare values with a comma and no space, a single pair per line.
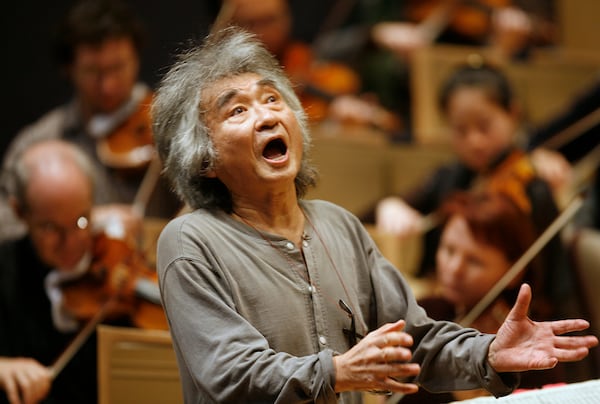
57,216
255,133
104,75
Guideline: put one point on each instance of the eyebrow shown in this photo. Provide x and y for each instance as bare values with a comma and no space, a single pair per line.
226,97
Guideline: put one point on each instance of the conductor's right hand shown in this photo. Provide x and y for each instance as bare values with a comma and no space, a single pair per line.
378,362
24,380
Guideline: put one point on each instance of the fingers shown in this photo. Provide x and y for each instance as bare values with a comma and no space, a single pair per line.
26,382
395,354
372,363
564,326
12,393
521,307
571,355
587,341
389,378
397,326
399,387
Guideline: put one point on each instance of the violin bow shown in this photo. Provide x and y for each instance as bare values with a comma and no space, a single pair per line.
64,358
147,185
561,220
573,131
224,16
583,172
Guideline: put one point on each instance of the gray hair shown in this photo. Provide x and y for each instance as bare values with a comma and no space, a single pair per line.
180,131
18,176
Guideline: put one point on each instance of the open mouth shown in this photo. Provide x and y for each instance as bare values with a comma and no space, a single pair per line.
274,150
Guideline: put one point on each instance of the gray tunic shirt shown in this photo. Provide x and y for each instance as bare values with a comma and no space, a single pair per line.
255,319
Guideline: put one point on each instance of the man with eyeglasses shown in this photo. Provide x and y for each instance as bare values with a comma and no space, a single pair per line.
98,48
51,190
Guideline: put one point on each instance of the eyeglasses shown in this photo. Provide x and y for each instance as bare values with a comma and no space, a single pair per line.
53,231
350,333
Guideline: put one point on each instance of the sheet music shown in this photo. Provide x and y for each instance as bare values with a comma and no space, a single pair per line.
576,393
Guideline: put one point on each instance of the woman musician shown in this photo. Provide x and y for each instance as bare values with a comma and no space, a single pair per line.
484,234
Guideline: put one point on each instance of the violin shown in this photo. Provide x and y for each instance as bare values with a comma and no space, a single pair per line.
119,283
319,82
468,18
130,146
116,272
510,178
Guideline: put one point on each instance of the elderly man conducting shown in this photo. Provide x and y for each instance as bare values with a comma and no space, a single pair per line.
272,298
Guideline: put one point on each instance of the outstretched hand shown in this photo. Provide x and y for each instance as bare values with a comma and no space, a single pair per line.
522,344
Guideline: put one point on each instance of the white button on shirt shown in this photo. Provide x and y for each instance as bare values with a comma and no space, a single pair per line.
323,340
289,245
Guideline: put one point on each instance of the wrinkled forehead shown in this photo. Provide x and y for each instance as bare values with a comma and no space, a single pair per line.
223,90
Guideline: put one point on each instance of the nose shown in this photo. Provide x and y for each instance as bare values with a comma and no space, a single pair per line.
266,118
474,139
455,265
109,83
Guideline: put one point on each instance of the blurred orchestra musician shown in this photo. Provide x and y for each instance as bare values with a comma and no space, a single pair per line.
509,28
328,89
483,117
483,235
43,295
98,47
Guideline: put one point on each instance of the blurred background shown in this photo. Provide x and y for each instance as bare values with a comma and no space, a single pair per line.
32,83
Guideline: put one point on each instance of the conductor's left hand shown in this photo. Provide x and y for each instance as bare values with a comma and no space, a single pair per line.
522,344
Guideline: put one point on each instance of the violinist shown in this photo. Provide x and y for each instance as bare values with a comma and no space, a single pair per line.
328,89
51,189
484,234
483,124
98,46
510,28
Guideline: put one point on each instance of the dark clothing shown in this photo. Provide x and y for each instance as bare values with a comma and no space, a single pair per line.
582,106
579,110
26,328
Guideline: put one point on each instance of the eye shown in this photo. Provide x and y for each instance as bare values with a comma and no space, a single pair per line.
272,98
476,262
236,111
